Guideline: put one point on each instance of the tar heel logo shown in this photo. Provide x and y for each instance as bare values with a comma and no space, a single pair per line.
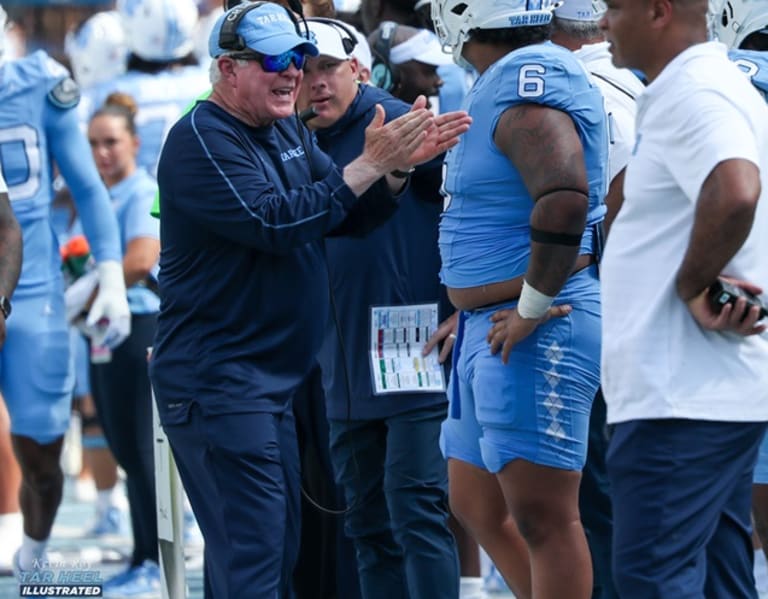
637,144
292,153
526,19
61,579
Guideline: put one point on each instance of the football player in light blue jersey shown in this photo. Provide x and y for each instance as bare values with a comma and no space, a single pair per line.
163,75
39,125
743,27
524,190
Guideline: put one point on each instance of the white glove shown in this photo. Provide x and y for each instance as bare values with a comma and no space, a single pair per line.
89,332
110,315
78,293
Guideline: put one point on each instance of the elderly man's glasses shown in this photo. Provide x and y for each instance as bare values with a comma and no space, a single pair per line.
274,64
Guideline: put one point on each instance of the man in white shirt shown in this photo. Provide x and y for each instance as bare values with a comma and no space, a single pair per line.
686,386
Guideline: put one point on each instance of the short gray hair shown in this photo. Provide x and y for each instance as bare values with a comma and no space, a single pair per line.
580,30
214,72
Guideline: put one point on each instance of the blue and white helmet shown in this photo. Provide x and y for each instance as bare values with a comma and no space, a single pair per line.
454,19
98,49
159,30
735,20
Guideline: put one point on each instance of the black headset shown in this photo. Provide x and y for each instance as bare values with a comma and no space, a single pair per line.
295,5
348,37
230,39
383,73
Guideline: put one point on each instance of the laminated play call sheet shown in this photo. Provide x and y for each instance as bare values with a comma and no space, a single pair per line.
398,334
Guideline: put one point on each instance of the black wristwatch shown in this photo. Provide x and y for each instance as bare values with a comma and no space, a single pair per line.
5,306
402,174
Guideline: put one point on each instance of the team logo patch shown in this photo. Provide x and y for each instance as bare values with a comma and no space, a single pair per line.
66,94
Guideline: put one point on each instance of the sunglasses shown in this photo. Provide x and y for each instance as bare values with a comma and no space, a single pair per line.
274,64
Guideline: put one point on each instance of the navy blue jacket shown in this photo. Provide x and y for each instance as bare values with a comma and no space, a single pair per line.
396,264
243,279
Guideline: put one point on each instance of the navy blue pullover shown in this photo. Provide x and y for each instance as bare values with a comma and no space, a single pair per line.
397,264
242,278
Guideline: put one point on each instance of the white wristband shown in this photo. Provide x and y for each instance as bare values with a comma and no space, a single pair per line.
533,303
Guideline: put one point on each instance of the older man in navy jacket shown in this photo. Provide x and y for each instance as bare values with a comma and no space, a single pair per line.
246,197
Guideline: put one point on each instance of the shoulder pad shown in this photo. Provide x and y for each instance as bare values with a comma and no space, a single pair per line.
65,94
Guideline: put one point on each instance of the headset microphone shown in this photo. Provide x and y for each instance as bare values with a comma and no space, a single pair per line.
307,114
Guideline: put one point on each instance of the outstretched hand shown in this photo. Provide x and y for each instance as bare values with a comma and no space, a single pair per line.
389,146
443,136
509,328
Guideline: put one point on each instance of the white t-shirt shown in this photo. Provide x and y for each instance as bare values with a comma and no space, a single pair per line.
657,362
3,187
620,89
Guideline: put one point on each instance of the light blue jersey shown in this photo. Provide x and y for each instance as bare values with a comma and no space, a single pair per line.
26,113
485,230
132,198
755,66
456,84
39,127
535,408
161,97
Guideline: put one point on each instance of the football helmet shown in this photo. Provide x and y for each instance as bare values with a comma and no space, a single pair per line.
454,19
97,49
735,20
159,30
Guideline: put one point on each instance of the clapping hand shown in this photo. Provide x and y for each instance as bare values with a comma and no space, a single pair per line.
389,146
443,136
414,137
